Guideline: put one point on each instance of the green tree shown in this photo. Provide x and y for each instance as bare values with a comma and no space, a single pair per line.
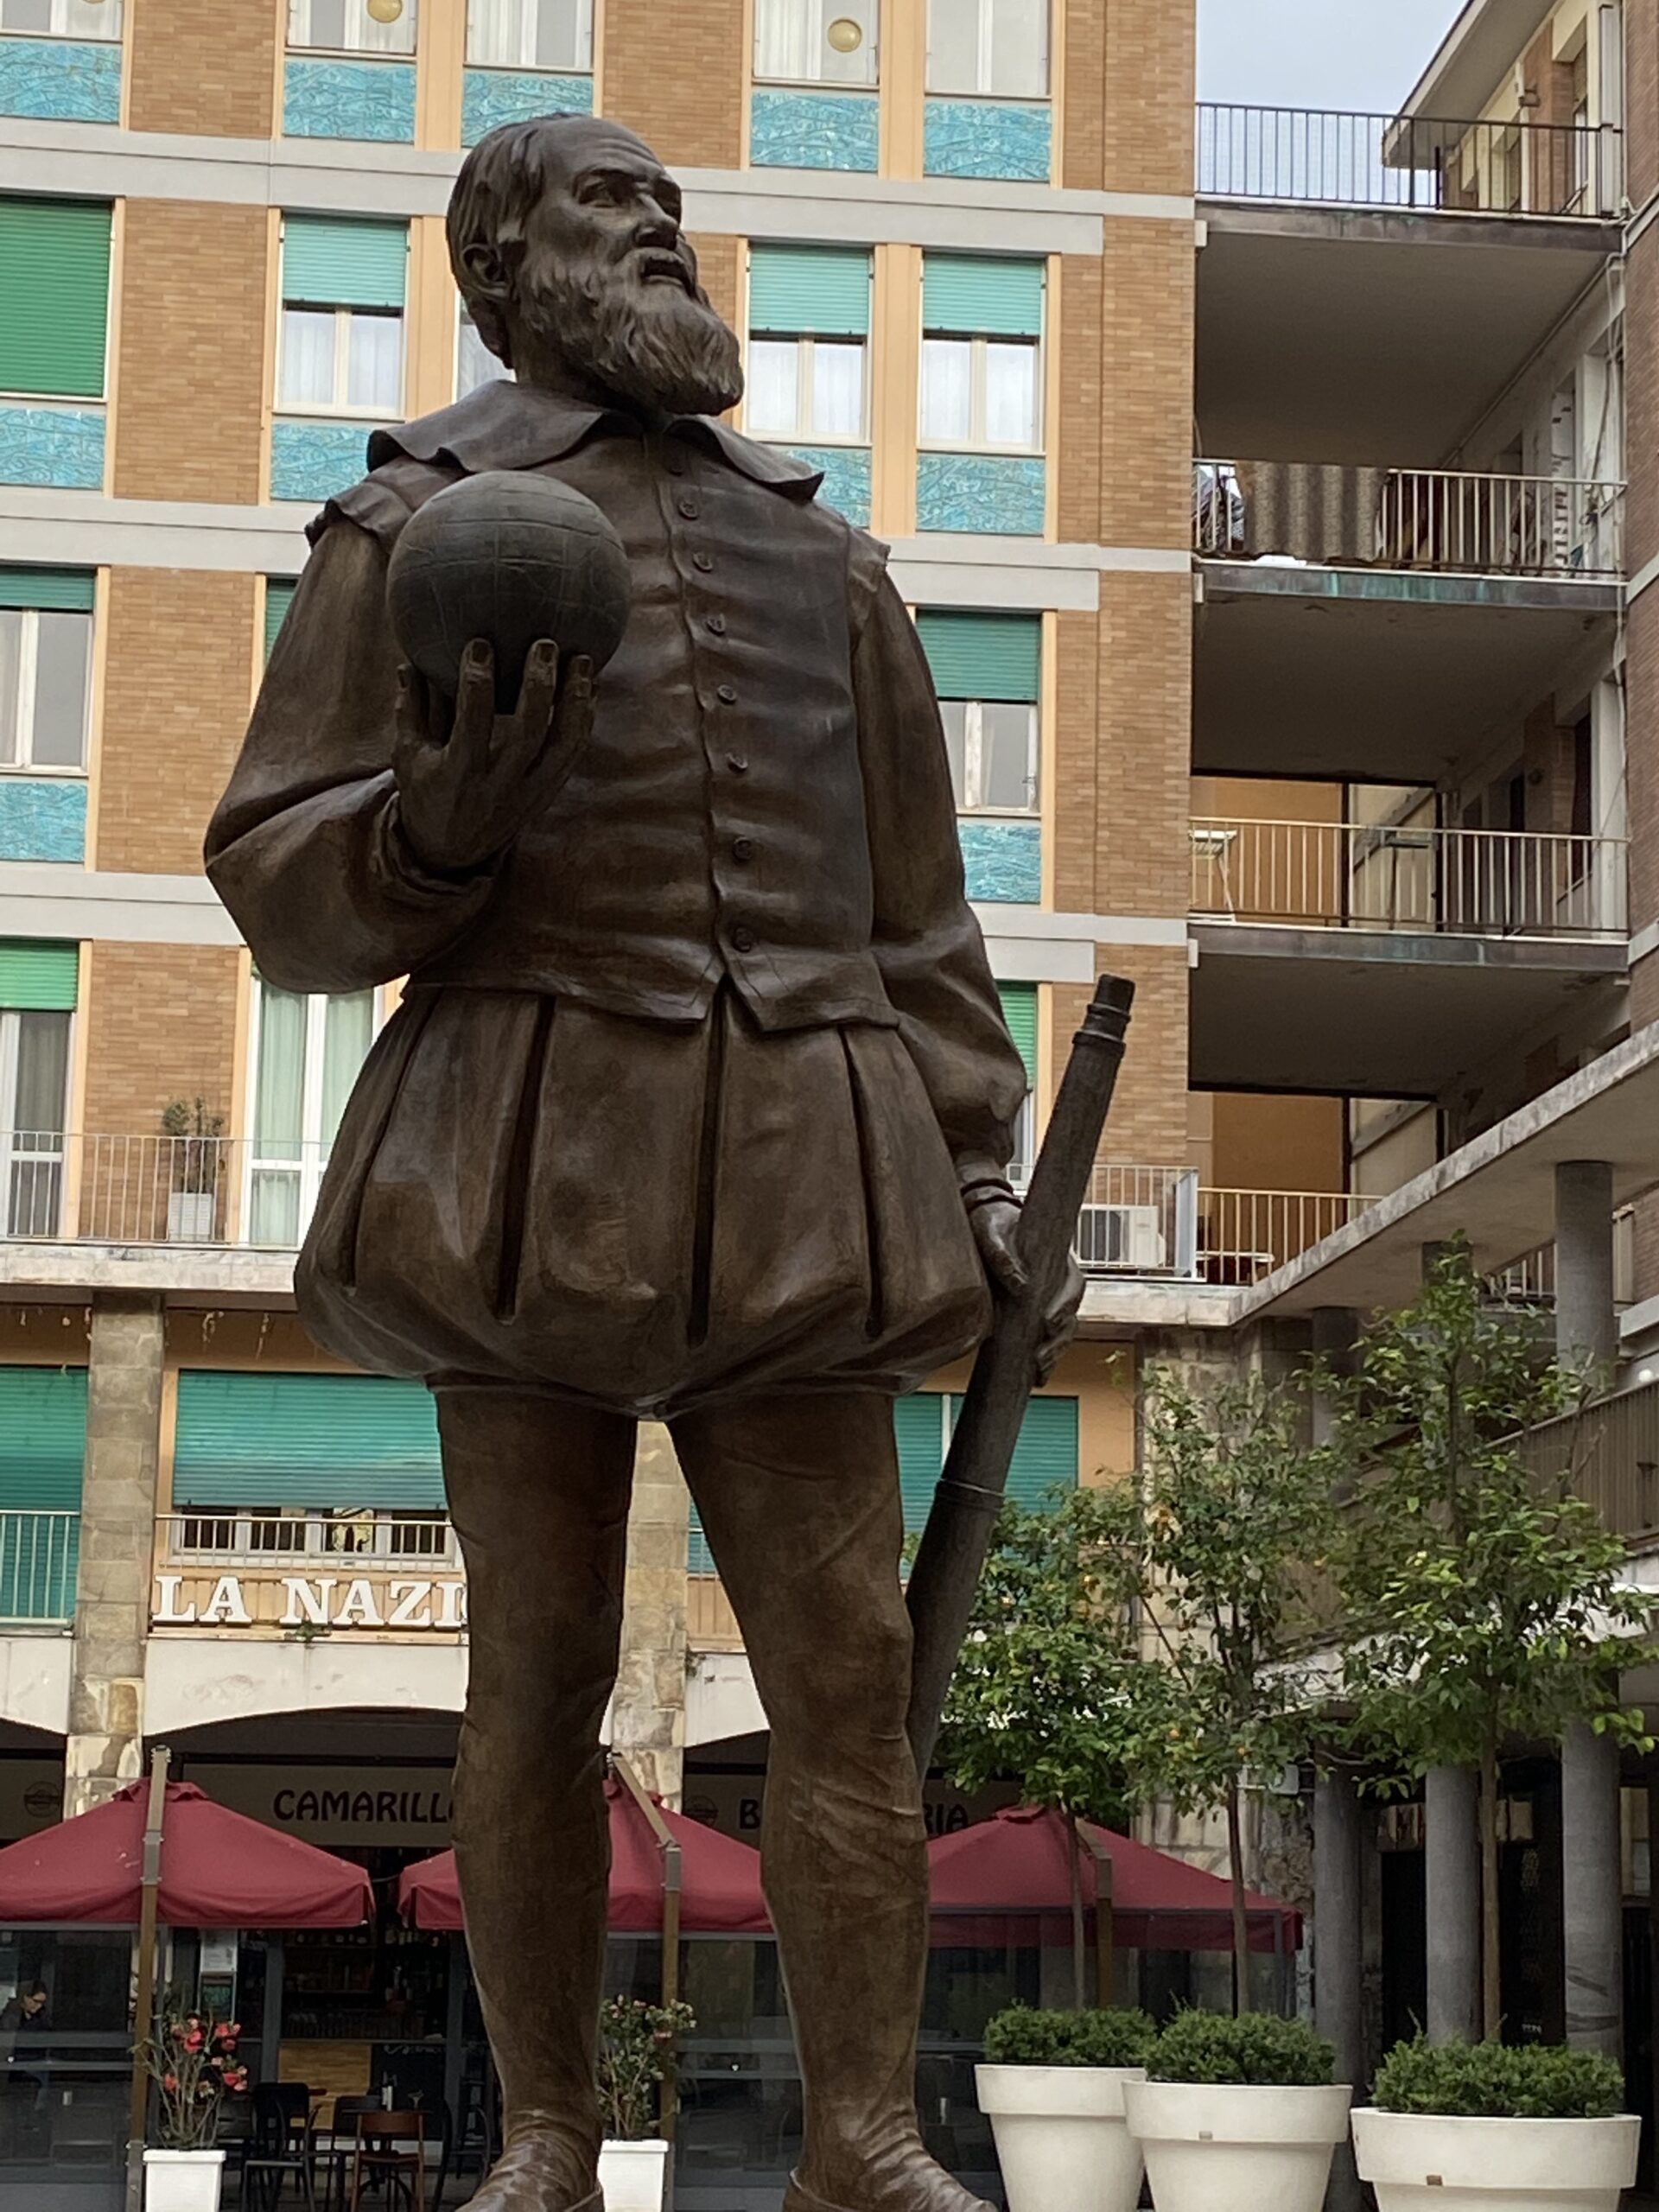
1482,1598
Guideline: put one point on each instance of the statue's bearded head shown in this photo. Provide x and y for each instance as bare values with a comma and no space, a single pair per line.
565,240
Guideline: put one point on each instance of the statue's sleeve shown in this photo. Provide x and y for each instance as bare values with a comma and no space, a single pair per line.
927,943
305,848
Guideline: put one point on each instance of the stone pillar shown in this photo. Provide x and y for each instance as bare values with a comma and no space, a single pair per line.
1452,1884
1586,1324
1339,1961
105,1746
648,1711
1592,1902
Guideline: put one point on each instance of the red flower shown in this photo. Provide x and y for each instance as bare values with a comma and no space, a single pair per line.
193,2041
169,2081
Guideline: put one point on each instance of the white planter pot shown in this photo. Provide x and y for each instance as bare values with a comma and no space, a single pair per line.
1227,2147
1427,2162
182,2181
1061,2137
631,2175
190,1217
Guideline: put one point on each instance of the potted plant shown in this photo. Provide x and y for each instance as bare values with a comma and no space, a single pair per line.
1052,2087
191,1205
1238,2113
193,2062
637,2044
1490,2128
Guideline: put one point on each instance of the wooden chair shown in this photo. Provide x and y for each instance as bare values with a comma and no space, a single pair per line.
335,2155
281,2149
389,2154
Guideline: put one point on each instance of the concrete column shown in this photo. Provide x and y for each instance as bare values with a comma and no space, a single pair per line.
1452,1879
117,1536
1592,1902
648,1711
1339,1961
1334,1330
1587,1325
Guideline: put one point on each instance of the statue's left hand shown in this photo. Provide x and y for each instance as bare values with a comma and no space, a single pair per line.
994,1228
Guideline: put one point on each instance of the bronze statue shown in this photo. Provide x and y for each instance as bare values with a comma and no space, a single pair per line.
697,1106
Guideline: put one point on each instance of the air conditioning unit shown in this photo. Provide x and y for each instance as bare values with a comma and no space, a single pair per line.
1127,1237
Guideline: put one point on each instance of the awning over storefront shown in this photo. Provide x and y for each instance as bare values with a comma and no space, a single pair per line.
218,1870
1020,1863
719,1878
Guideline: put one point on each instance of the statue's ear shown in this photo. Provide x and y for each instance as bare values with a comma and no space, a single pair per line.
486,269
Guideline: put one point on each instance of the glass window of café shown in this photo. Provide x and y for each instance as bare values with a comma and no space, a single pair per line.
65,2064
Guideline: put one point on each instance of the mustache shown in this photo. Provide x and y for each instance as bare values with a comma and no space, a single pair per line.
654,342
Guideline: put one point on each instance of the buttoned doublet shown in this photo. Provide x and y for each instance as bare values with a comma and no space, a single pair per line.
683,1088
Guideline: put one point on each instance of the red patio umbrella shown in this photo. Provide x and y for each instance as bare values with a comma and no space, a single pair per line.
719,1878
1020,1863
218,1870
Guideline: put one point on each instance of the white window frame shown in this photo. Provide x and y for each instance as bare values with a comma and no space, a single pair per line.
49,1155
581,67
856,12
805,346
984,89
973,761
299,12
107,33
27,700
978,386
306,409
308,1168
463,323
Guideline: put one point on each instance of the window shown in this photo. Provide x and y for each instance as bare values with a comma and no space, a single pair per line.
809,330
989,46
530,34
342,338
38,999
981,353
279,597
1019,1012
46,655
95,19
306,1055
54,298
986,672
817,41
349,26
474,363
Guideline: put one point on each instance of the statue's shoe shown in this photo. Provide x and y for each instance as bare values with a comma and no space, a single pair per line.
530,2175
924,2188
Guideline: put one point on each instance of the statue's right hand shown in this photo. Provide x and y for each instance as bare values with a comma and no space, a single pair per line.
469,778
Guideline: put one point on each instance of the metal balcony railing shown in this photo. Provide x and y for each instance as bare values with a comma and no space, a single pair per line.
158,1190
1137,1221
227,1537
1246,1236
40,1555
1389,876
1610,1455
1445,520
1341,158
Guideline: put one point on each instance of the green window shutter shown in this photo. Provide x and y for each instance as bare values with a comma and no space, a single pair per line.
318,1440
982,656
64,590
334,260
1045,1457
55,297
1019,1012
918,1430
38,979
279,597
981,295
43,1420
810,291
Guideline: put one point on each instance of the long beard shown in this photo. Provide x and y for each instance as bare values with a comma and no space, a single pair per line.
649,343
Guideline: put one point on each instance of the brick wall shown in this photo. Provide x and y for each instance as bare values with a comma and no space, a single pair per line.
676,76
191,334
1128,97
1148,1125
718,261
199,68
1144,676
177,695
1126,383
162,1025
1641,102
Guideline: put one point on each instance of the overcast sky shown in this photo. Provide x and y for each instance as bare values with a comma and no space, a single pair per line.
1346,54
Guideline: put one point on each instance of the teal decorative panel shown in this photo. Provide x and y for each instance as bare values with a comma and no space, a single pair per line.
60,445
1000,493
1003,859
846,478
492,97
312,461
349,99
42,818
814,131
991,139
76,78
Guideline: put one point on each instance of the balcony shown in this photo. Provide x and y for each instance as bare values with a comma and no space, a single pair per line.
1609,1454
40,1555
307,1574
1364,625
1370,283
158,1190
1380,959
